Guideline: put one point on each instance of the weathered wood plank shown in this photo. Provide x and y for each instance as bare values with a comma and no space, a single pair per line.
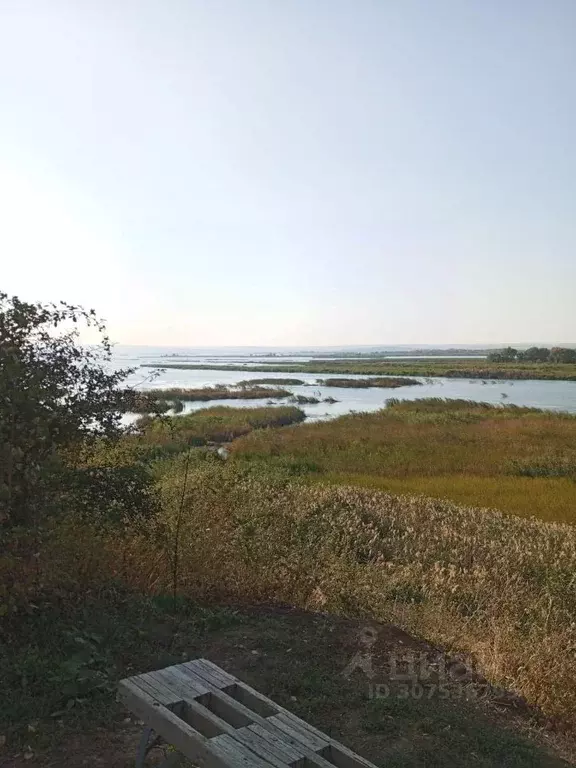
194,674
182,736
167,698
177,671
339,748
289,754
307,739
211,672
306,744
175,682
260,747
241,756
293,740
225,722
205,721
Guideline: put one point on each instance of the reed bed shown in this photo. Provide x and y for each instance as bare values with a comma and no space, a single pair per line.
270,381
217,424
498,588
520,460
383,382
146,400
454,368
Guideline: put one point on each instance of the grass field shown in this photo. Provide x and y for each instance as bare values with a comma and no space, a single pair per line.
300,515
519,460
496,587
453,368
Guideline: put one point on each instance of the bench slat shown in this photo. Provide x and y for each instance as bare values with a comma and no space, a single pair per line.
289,754
260,747
349,757
218,721
294,739
237,754
309,740
182,736
216,676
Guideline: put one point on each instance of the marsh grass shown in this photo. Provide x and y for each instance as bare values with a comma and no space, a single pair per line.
162,400
454,368
153,438
270,381
383,382
520,460
217,424
497,587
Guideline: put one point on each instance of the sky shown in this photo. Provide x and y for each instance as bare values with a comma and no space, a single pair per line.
293,172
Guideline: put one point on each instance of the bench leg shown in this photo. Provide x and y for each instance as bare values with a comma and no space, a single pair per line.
146,742
149,740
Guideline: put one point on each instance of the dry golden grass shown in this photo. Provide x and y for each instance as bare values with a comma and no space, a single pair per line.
498,587
551,499
518,459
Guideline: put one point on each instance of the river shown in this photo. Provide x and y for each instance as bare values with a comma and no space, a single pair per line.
552,395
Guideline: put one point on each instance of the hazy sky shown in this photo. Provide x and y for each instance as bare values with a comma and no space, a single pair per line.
293,171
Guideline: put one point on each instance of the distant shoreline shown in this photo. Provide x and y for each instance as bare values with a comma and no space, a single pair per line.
447,368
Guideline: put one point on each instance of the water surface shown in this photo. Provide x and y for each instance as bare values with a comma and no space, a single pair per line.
553,395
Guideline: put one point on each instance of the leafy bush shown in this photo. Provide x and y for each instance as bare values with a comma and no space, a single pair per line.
54,394
108,494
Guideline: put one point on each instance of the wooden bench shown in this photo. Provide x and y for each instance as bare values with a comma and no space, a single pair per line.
216,721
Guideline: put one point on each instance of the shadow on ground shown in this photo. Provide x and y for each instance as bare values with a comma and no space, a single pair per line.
392,698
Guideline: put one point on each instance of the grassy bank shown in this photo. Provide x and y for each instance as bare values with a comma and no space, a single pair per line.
152,438
211,425
455,369
498,588
519,460
120,545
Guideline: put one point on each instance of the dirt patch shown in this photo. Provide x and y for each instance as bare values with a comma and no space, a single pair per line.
393,698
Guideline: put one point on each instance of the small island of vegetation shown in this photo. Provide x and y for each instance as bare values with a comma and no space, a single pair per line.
163,400
456,368
383,382
270,382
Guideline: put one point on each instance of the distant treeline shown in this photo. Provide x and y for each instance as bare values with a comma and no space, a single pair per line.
533,355
386,353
